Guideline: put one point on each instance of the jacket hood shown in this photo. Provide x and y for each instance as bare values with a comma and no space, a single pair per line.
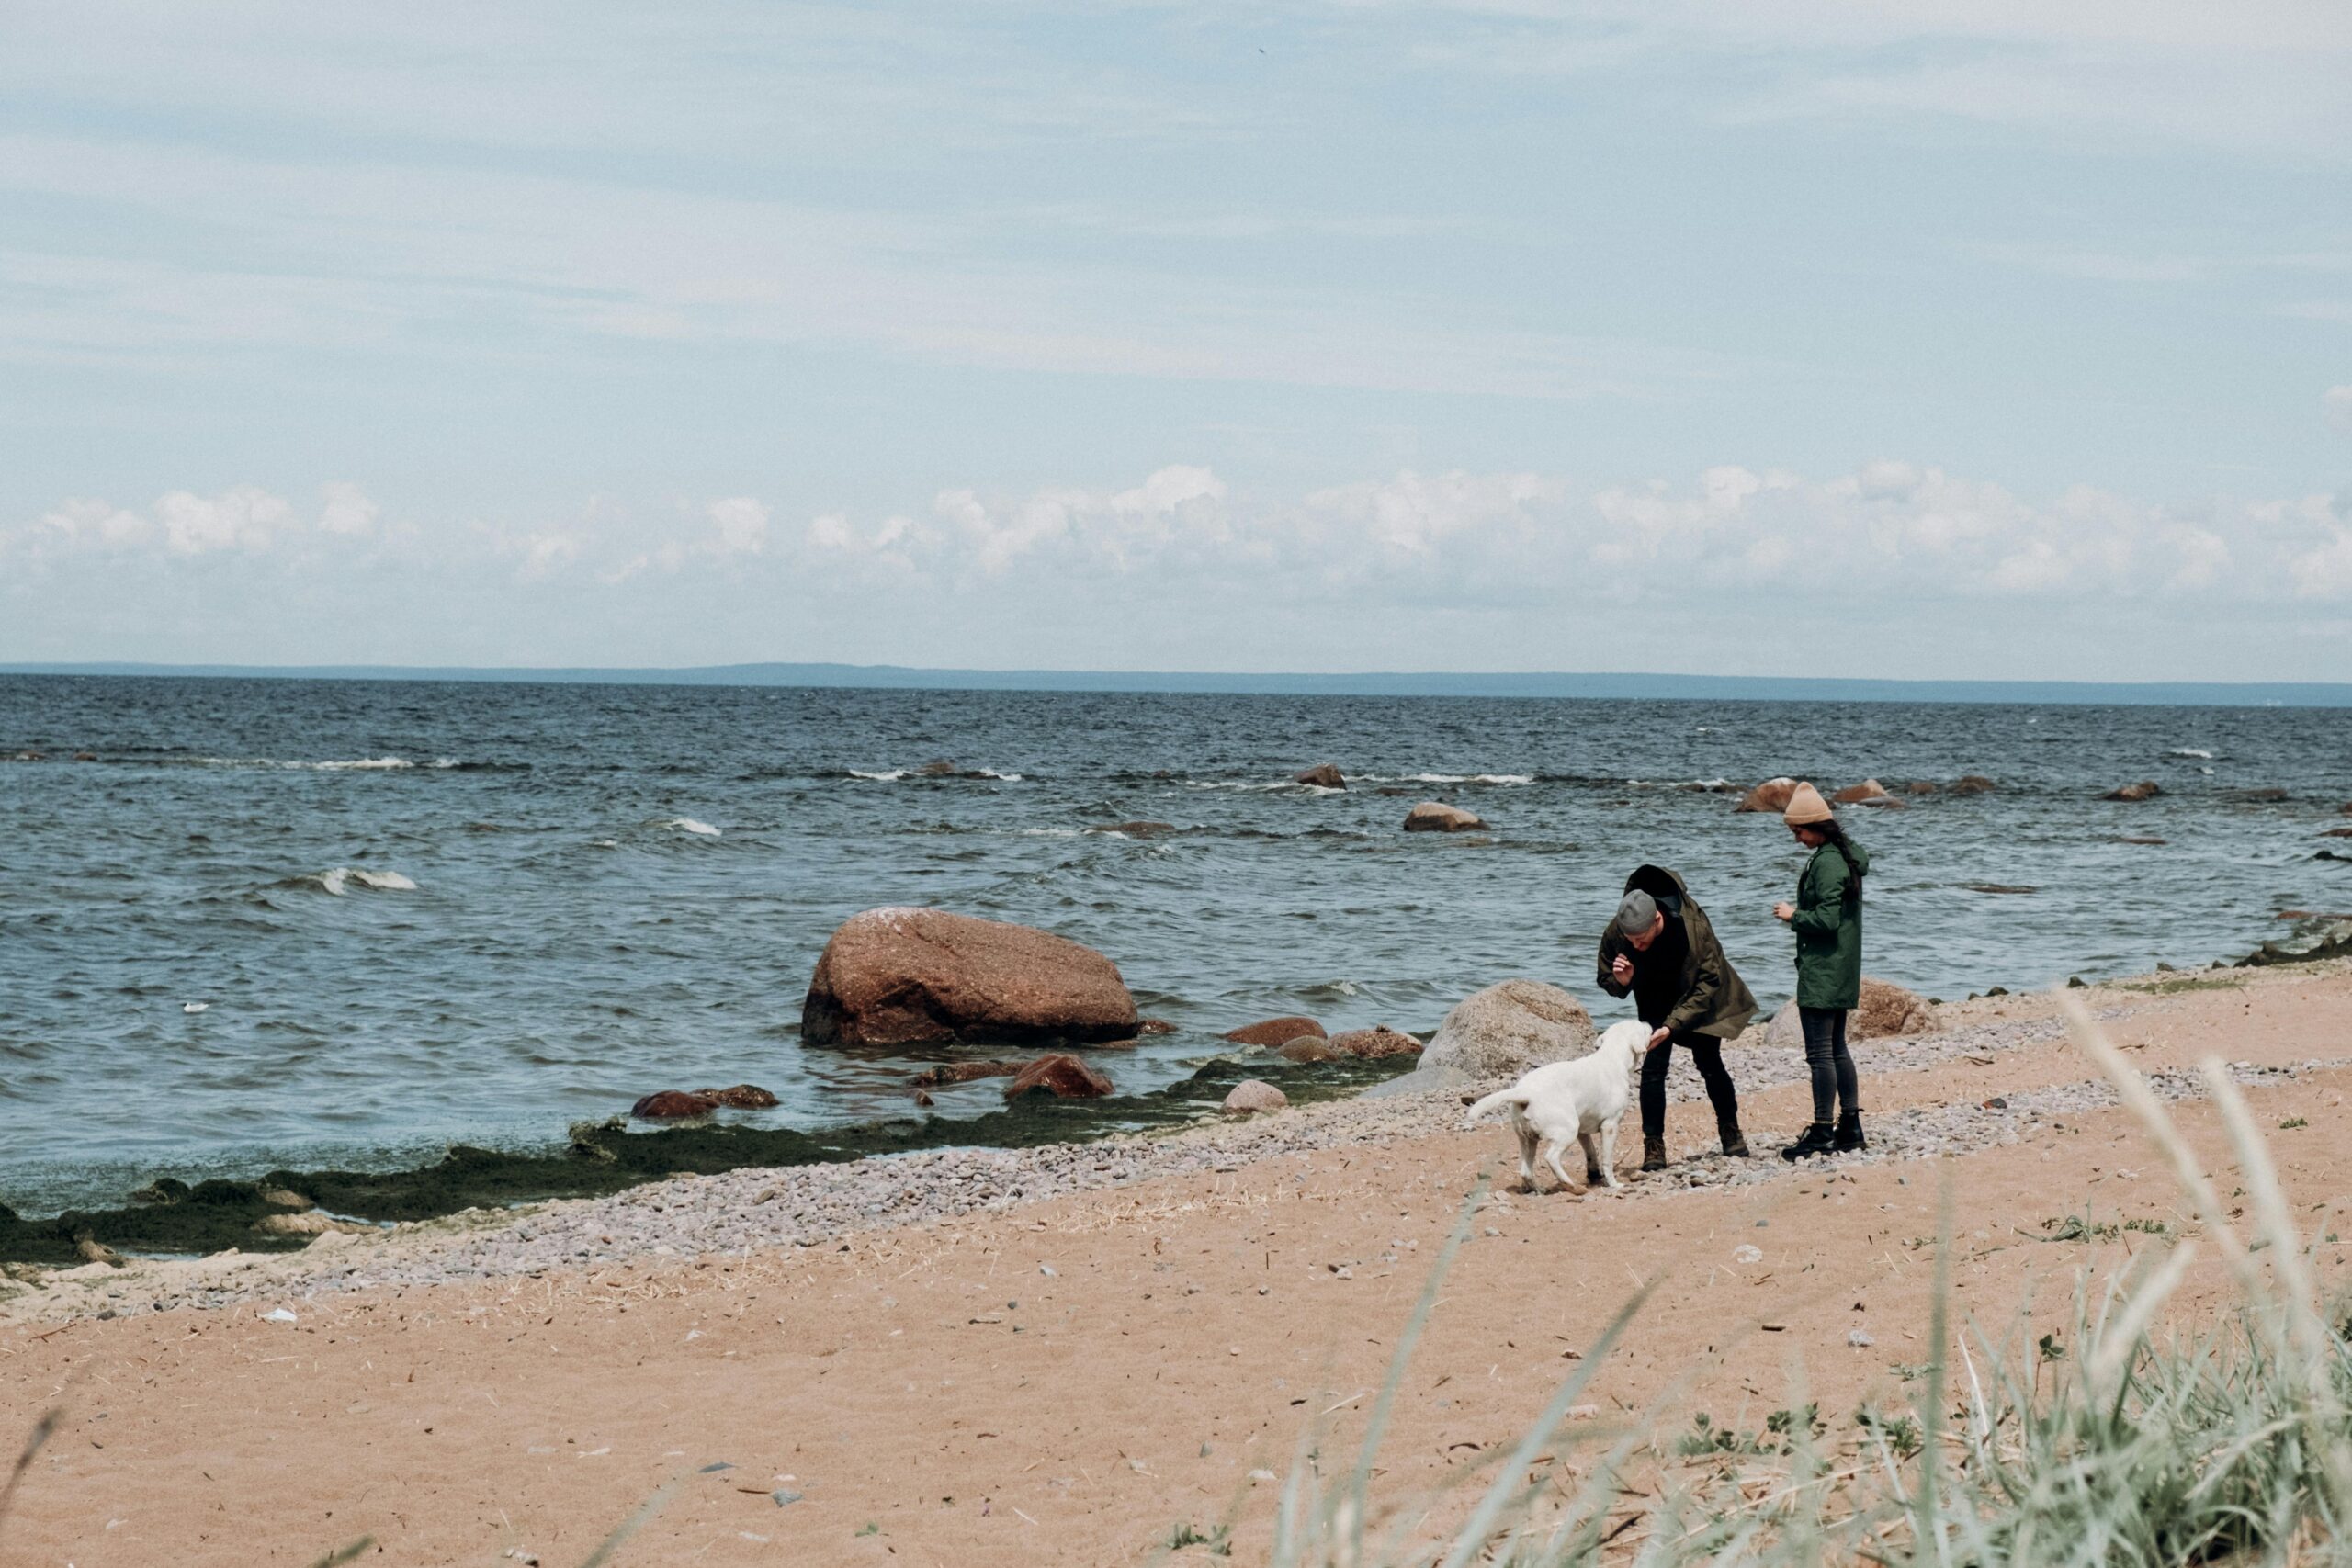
1658,882
1856,857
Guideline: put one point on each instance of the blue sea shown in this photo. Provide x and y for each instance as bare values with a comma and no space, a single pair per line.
293,923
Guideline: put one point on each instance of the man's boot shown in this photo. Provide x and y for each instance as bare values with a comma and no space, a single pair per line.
1735,1141
1850,1134
1819,1138
1653,1153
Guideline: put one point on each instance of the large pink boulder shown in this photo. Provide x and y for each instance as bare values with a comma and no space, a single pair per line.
907,977
1773,795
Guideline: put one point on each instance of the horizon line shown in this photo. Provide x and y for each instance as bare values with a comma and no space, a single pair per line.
1585,684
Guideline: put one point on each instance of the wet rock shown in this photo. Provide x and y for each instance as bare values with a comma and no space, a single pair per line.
901,976
1772,795
1307,1048
963,1072
741,1097
1273,1030
1506,1029
2266,796
2146,789
1436,817
1855,794
670,1104
937,768
1973,784
2336,833
283,1198
90,1250
1374,1043
311,1223
1137,829
1921,786
1063,1076
1155,1026
1325,774
1252,1094
85,756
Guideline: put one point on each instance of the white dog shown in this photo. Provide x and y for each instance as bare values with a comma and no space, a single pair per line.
1573,1100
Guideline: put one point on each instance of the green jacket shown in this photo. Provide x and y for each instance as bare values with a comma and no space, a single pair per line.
1714,1000
1828,926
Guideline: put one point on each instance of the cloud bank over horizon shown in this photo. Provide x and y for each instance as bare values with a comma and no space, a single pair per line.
1835,336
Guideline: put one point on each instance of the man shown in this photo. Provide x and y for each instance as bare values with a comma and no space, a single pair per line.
1661,949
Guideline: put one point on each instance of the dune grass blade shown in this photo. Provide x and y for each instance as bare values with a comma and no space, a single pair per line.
342,1554
35,1441
628,1528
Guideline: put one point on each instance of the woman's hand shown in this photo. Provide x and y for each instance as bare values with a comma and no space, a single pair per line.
1784,910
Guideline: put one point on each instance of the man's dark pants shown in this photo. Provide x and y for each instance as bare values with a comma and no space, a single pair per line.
1707,1055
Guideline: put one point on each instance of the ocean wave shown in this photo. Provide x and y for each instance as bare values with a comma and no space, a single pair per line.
2197,752
688,825
1498,779
890,775
342,878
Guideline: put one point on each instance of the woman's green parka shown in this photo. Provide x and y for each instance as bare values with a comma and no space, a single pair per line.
1828,926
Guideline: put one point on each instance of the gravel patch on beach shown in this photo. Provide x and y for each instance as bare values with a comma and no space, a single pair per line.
692,1217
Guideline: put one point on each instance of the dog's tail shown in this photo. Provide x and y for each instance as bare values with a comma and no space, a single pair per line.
1511,1097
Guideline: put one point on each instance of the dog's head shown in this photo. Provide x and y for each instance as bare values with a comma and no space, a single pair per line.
1624,1041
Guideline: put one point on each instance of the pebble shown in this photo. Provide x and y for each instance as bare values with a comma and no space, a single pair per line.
735,1212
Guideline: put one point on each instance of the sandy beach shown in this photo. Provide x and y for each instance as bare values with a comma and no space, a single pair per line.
1064,1355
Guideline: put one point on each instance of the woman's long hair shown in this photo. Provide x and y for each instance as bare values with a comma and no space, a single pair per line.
1834,831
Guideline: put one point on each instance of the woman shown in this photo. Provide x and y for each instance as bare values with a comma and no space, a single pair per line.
1827,919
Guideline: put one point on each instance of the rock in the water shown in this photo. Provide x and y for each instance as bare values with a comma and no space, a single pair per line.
1854,795
1922,786
1253,1095
1887,1011
937,768
1504,1030
741,1097
1064,1076
963,1072
2268,794
1374,1043
1323,773
905,976
672,1104
1773,795
1307,1048
1436,817
2146,789
1135,829
2336,833
1273,1030
1155,1026
1973,784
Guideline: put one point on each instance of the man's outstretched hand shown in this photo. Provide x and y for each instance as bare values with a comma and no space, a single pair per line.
1620,969
1659,1037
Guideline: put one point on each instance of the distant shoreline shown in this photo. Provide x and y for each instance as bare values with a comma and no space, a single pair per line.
1652,687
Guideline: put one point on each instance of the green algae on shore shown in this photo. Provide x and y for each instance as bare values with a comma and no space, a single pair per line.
170,1216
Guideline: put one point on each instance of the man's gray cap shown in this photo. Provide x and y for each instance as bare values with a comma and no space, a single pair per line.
1636,912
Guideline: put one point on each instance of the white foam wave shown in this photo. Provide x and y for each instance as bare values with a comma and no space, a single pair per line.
889,776
1468,778
353,765
364,766
345,877
2197,752
992,773
688,825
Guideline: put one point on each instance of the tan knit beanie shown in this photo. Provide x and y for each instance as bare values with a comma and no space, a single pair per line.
1806,807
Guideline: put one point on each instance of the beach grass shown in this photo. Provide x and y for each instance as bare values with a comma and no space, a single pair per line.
2108,1441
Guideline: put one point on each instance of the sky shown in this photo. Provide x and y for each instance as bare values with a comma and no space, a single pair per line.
1923,338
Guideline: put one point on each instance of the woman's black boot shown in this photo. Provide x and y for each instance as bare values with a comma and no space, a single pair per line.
1819,1138
1653,1153
1735,1142
1850,1134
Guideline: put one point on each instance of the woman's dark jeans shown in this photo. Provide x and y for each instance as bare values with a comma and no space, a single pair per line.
1833,1069
1707,1055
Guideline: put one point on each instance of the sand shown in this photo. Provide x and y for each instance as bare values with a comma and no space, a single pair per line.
1068,1379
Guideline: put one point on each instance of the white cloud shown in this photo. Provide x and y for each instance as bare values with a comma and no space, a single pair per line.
347,510
2338,401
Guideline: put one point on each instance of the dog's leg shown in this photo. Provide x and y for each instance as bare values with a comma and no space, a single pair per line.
1609,1155
1552,1156
1527,1141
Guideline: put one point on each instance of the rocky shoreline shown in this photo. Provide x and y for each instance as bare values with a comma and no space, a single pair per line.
698,1217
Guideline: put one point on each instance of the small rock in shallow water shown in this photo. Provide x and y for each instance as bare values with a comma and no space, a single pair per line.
1274,1032
1064,1076
670,1104
742,1097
